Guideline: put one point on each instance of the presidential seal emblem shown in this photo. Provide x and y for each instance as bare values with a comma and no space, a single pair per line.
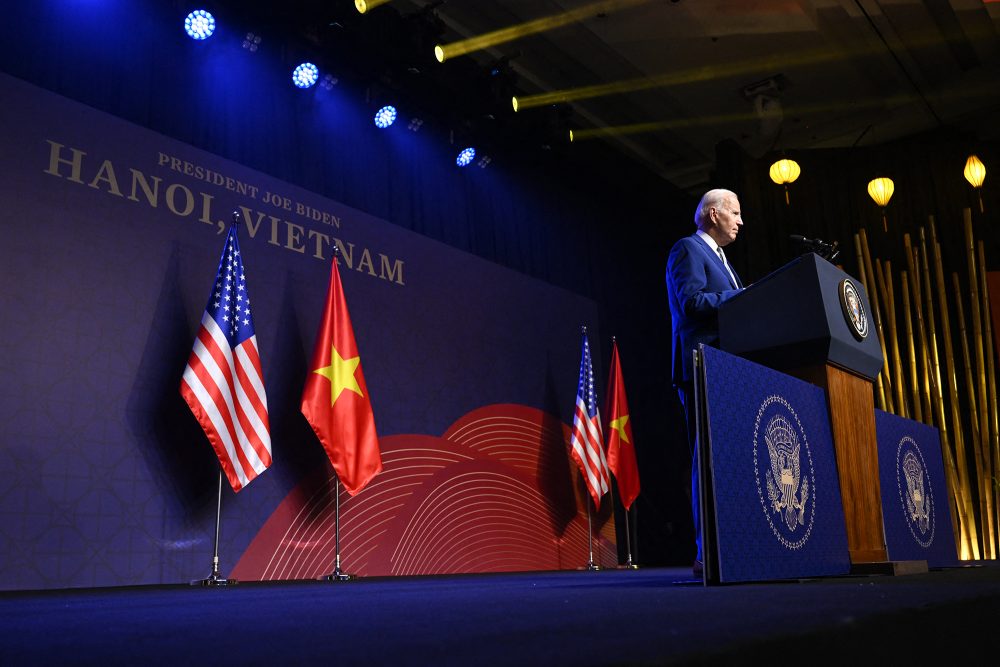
915,493
786,480
854,310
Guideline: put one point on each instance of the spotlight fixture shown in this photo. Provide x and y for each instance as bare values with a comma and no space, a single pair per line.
199,25
251,42
305,75
364,6
466,156
329,81
484,162
385,116
414,124
480,42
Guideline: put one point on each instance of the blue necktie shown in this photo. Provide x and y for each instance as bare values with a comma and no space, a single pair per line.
732,276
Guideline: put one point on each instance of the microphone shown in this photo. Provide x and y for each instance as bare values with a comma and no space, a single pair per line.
827,251
798,238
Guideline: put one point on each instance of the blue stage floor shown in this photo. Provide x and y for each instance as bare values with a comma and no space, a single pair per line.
644,617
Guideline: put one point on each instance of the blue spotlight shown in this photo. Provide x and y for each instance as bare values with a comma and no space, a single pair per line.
466,156
385,116
199,24
305,75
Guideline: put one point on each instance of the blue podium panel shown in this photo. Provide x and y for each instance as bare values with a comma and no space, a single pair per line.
778,512
914,501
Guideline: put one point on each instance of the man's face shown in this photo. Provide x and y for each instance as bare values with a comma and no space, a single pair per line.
727,220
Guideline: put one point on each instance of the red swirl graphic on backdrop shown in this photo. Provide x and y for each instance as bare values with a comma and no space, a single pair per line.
496,493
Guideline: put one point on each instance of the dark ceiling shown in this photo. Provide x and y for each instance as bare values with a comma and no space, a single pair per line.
664,81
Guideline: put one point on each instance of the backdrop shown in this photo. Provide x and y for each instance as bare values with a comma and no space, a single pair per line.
112,237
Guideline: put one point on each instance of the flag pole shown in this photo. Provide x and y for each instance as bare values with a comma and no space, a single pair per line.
629,565
216,579
628,541
591,565
338,574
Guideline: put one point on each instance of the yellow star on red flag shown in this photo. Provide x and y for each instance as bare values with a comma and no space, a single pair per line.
344,423
621,449
340,373
619,425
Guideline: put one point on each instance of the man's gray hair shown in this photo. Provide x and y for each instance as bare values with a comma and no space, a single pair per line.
709,200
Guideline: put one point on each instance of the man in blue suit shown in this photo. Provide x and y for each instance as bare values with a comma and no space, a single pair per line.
699,280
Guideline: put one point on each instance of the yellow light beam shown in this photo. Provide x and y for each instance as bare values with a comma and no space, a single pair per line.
444,51
367,5
677,123
771,64
707,73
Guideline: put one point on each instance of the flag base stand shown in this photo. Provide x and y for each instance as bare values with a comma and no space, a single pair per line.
215,579
590,567
628,565
337,575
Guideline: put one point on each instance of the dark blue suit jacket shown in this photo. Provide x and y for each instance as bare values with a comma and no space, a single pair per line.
697,284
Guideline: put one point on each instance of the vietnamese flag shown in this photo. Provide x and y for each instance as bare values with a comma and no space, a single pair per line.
621,446
335,399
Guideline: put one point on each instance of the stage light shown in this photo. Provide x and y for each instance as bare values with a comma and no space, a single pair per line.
385,116
305,75
199,24
329,81
414,124
364,6
444,51
484,162
251,42
466,156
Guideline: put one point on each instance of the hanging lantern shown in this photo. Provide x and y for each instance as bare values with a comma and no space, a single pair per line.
881,189
975,174
783,172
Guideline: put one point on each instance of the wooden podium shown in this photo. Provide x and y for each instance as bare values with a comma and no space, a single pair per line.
811,320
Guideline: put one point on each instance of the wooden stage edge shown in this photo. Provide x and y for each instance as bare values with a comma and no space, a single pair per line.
892,568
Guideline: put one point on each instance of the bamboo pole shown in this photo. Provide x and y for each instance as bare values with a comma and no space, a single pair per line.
876,312
911,348
978,395
923,382
897,356
884,282
863,275
925,275
993,423
972,546
959,515
982,484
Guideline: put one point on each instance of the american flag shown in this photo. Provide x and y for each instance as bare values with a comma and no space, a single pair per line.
586,439
223,383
